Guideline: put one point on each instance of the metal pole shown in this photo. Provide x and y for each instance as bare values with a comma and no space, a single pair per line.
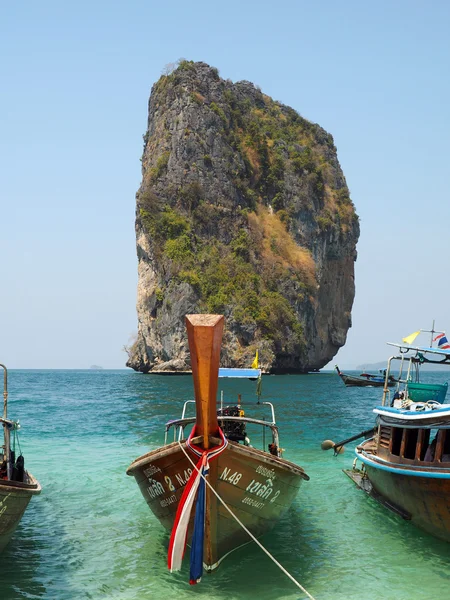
6,432
385,389
433,331
408,375
5,391
400,375
355,437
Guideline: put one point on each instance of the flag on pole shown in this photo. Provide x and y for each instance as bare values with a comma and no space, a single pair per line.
410,338
443,341
255,362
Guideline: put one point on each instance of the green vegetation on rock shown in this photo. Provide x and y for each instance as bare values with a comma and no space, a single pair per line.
241,278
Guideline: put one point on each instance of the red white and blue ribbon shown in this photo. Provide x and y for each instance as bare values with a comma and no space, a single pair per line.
194,491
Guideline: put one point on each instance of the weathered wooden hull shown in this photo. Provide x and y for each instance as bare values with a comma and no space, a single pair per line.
421,494
427,500
14,499
257,486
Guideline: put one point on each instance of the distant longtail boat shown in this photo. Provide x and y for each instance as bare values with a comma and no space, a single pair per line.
366,379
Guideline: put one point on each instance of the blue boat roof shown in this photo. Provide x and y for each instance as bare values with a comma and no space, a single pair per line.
434,350
240,373
445,352
408,412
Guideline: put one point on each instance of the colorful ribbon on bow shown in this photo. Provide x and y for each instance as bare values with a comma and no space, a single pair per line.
195,489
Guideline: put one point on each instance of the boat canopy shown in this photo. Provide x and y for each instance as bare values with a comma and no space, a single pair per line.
417,410
408,348
415,418
240,373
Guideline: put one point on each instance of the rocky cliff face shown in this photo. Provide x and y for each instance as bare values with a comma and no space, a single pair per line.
243,210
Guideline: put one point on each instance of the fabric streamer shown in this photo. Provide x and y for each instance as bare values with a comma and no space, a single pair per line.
194,491
198,536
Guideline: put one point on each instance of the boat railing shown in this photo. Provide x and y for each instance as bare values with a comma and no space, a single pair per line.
179,425
183,414
399,379
272,410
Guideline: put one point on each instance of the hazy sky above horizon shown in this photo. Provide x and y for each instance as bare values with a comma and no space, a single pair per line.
75,84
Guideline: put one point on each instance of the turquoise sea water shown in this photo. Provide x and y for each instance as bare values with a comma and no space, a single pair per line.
90,535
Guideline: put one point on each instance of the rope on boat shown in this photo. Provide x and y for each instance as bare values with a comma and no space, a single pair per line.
245,528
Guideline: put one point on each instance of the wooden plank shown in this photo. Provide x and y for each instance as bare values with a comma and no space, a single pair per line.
439,446
205,338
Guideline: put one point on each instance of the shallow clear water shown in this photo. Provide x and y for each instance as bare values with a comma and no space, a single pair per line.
90,535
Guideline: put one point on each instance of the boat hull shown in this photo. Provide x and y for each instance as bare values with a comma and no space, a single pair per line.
14,499
258,488
350,381
417,493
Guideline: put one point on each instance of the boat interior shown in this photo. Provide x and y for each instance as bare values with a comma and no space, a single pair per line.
410,393
419,446
259,433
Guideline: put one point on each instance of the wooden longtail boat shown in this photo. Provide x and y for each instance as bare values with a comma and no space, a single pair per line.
365,379
17,486
406,465
257,485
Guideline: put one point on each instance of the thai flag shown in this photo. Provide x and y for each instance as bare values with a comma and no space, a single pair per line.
443,341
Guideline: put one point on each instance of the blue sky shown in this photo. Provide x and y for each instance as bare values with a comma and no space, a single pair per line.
75,84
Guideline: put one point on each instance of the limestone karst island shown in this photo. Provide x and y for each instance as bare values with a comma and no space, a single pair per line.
243,210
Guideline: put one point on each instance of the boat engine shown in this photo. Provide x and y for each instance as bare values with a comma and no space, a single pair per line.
233,430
